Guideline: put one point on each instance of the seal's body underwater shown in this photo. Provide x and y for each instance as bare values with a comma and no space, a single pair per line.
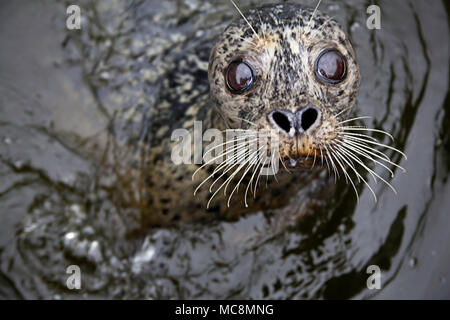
283,69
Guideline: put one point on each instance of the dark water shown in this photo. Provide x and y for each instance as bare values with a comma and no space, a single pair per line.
58,92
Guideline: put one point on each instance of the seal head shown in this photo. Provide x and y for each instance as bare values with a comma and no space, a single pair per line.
289,70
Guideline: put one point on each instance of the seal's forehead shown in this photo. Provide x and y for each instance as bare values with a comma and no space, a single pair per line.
289,22
284,18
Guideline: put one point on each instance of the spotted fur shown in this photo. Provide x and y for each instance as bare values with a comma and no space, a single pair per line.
283,52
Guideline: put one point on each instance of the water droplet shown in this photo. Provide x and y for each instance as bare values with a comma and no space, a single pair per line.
70,235
355,26
69,239
19,164
412,262
88,230
94,253
104,75
334,7
30,228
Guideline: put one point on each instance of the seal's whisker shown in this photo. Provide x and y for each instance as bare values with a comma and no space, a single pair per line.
235,153
333,166
249,166
228,151
342,111
228,142
358,175
225,164
314,162
376,143
344,152
346,175
227,148
250,183
259,164
353,119
360,128
336,172
229,164
349,178
261,26
272,163
365,155
328,164
321,157
350,146
226,181
244,143
348,134
320,28
251,158
235,130
365,146
328,161
242,15
237,145
251,42
314,12
373,173
333,151
366,151
257,179
309,152
248,121
284,165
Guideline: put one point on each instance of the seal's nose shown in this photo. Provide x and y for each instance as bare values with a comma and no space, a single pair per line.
308,118
304,120
284,121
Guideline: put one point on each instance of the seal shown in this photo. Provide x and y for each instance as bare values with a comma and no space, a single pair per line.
285,70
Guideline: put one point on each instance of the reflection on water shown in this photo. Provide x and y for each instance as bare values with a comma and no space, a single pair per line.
59,208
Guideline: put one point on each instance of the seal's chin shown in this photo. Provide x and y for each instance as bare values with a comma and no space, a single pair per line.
302,162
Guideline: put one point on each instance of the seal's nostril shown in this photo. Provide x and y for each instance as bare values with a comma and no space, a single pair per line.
309,117
281,120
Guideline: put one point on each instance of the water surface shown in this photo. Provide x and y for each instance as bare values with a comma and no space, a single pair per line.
60,90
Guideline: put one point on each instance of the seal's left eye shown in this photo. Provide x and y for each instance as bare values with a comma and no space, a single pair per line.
239,76
330,66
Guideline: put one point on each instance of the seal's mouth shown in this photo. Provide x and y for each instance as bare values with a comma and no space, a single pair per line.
306,153
342,147
301,162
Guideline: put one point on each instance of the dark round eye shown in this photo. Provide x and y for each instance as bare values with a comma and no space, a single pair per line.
239,77
330,66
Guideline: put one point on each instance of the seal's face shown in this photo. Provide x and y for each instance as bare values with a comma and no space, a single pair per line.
287,73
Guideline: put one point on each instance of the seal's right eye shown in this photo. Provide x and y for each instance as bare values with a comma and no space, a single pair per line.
239,76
